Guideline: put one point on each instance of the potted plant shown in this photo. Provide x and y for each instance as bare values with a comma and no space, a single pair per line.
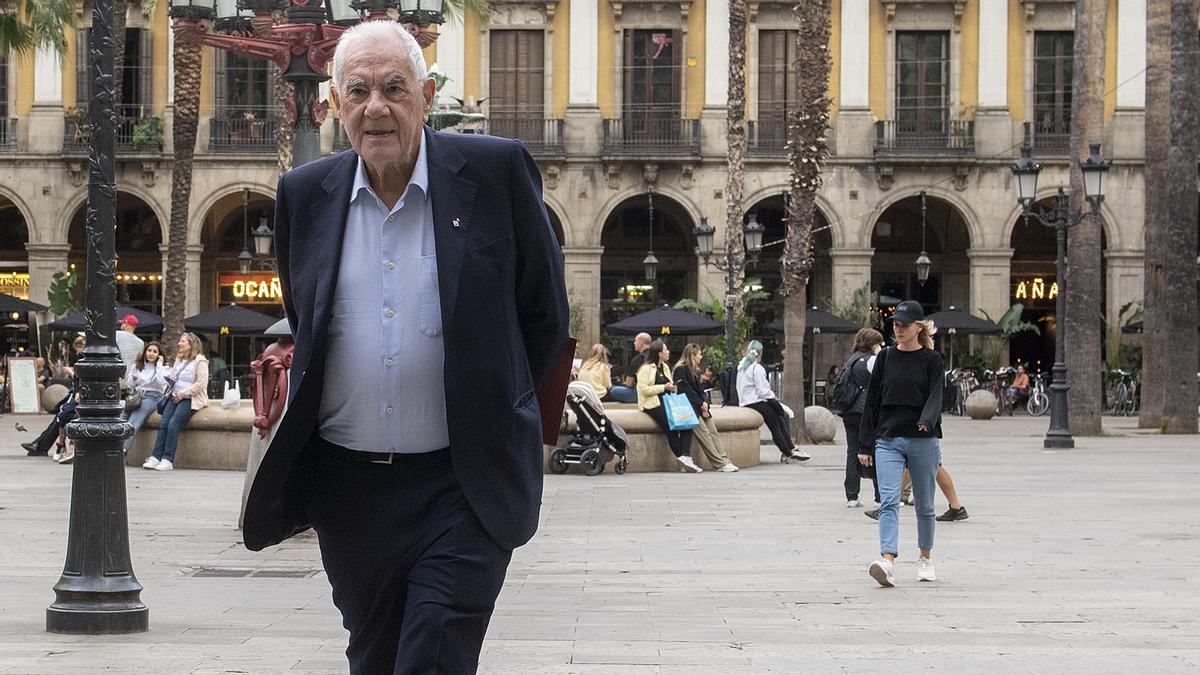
148,133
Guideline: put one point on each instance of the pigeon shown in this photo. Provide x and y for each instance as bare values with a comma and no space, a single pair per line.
20,428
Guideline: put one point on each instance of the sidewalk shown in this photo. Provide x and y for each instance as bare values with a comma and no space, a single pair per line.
1082,560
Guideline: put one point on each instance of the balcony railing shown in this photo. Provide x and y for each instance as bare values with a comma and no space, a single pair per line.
8,132
77,132
242,130
928,137
541,136
1052,138
651,134
766,138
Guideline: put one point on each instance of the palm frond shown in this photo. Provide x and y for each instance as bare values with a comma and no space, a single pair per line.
456,10
15,36
49,20
148,10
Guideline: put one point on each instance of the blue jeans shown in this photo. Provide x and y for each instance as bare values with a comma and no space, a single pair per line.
921,456
623,394
174,417
137,417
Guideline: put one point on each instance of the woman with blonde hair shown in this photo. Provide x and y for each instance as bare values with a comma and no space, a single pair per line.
687,378
187,392
596,371
901,425
755,392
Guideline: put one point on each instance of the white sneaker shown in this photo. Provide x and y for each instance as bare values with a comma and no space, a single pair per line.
151,462
688,464
164,465
925,570
729,468
801,455
854,504
882,571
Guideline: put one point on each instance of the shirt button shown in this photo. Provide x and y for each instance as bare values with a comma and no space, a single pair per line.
392,218
391,449
391,265
391,313
389,362
388,410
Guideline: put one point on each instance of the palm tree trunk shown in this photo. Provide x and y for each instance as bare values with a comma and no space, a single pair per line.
1158,143
735,171
187,117
808,122
120,9
283,99
1179,415
1084,277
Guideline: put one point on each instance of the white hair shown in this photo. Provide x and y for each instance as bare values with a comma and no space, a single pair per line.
379,32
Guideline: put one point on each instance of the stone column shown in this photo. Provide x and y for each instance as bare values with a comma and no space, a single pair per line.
993,120
851,271
45,123
45,260
854,131
582,126
1126,281
193,294
582,266
991,281
1126,134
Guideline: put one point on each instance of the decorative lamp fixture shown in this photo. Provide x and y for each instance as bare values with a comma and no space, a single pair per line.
1026,172
754,236
923,261
704,238
1095,169
422,12
650,263
244,259
262,238
347,13
233,16
195,10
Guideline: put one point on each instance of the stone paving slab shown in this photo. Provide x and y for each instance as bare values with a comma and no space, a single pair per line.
1079,561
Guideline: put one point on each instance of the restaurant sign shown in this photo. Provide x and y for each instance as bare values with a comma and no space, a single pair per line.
251,289
1035,290
15,284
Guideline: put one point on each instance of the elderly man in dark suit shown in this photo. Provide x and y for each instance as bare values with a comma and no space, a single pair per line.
425,290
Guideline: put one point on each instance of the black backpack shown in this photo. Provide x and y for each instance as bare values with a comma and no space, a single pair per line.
844,393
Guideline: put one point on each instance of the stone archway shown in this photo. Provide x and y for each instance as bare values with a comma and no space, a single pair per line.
897,239
556,225
227,229
138,247
14,275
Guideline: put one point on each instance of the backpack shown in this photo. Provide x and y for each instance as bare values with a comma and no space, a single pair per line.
845,393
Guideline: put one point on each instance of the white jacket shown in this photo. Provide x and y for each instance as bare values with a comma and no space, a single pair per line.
150,378
752,386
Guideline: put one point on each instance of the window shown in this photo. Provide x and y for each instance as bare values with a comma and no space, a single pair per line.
651,79
1052,71
922,76
776,85
136,73
516,87
244,85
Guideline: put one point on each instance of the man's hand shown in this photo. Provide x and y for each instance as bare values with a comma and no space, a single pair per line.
865,459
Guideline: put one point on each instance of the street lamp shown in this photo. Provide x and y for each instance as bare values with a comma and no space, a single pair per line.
650,263
301,47
923,261
704,233
262,238
1060,217
98,592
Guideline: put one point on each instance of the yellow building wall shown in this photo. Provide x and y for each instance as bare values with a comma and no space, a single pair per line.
606,65
160,35
877,75
969,60
1110,62
1016,60
472,59
835,55
206,81
696,40
561,53
70,88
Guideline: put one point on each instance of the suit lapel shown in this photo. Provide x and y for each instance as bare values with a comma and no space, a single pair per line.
453,203
329,215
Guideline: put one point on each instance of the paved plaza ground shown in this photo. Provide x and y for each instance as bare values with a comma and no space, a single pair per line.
1072,561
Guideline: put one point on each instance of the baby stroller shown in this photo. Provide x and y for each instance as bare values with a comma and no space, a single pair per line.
596,441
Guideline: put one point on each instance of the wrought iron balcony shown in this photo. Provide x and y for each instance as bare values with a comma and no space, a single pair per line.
930,137
135,132
8,133
766,138
242,130
648,134
1051,138
541,136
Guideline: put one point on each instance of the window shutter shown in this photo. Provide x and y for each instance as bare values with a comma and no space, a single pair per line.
145,69
82,87
220,85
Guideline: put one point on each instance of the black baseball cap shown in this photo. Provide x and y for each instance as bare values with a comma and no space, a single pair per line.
908,312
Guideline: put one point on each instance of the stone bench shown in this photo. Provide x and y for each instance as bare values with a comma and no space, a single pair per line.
216,438
648,449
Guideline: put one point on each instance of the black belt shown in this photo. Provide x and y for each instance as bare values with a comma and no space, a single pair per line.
346,454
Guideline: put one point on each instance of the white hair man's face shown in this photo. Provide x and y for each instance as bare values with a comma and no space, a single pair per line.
382,103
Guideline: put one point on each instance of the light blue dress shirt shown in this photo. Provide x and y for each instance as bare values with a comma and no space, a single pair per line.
384,388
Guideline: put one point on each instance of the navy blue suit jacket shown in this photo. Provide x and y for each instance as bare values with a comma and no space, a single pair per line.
504,323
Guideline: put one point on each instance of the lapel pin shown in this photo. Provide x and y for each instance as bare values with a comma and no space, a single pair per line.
455,223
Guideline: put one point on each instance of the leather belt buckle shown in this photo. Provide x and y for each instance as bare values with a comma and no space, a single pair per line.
390,456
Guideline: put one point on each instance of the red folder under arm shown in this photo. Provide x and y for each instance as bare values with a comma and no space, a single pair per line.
552,395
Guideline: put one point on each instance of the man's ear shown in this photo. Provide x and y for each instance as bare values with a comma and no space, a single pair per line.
335,97
428,90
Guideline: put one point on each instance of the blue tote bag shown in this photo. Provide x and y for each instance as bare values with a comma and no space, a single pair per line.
680,414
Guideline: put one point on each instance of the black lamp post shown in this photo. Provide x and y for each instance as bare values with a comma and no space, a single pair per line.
923,261
650,262
98,592
244,258
705,233
1060,217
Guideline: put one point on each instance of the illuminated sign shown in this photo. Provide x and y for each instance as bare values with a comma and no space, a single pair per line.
1035,290
15,284
251,289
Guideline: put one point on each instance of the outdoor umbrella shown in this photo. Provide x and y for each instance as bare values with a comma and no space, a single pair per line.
279,329
230,320
955,320
10,304
817,321
147,322
666,321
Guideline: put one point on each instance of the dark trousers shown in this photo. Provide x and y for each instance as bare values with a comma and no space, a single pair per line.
776,419
413,572
679,441
855,471
64,412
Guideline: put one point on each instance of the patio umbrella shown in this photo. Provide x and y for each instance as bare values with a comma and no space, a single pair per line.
147,321
10,304
230,320
818,321
955,320
279,329
666,320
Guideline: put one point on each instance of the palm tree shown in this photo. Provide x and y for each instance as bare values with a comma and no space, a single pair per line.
186,69
43,24
736,136
1179,414
808,123
1158,143
1084,279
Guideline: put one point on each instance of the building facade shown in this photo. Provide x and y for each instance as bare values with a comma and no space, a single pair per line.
623,106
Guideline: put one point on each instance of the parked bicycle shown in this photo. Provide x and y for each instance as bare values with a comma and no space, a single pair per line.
961,383
1122,396
1039,399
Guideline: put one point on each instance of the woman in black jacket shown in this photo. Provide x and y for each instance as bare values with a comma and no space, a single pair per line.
857,370
687,379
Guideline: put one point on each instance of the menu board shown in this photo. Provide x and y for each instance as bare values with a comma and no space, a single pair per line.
22,386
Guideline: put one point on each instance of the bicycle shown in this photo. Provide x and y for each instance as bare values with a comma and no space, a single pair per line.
1039,400
1122,395
963,383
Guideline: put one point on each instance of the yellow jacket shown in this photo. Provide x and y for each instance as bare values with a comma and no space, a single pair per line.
599,375
647,391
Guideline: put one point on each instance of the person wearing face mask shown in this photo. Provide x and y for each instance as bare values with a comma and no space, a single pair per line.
900,428
867,343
